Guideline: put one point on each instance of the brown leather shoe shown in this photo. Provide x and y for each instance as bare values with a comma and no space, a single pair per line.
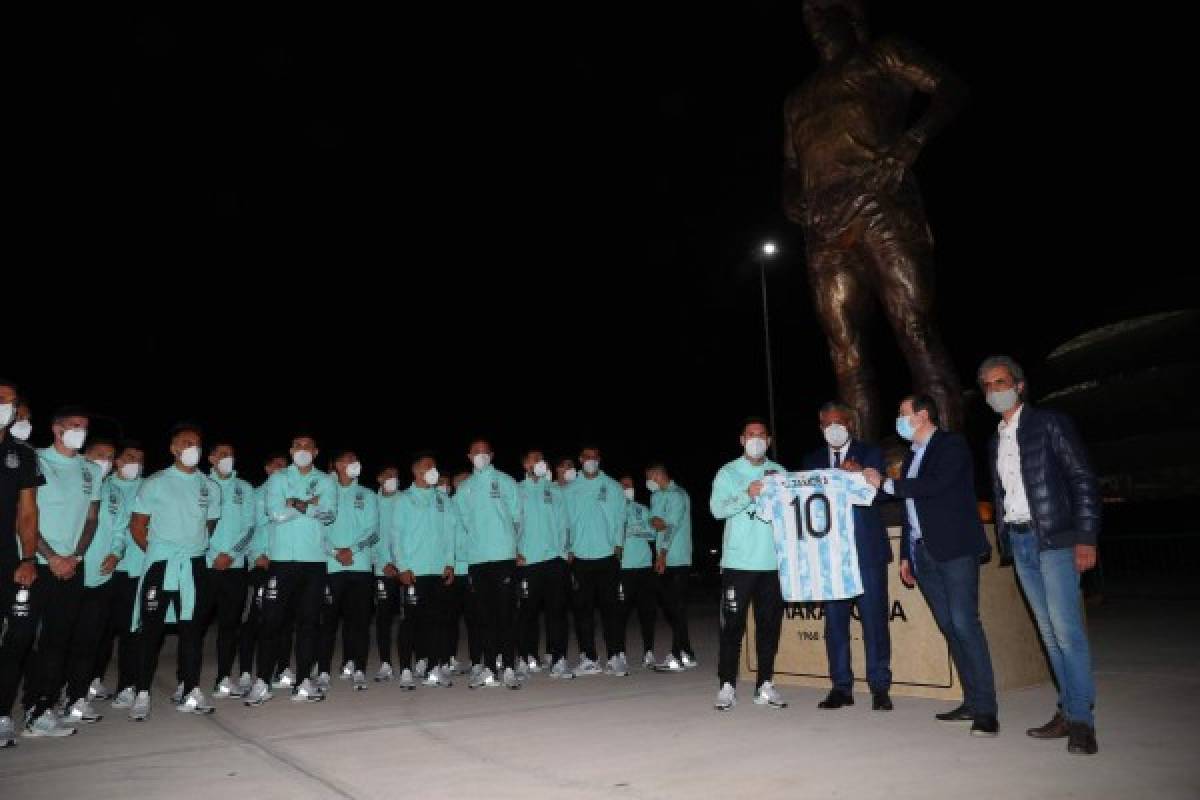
1082,741
1054,729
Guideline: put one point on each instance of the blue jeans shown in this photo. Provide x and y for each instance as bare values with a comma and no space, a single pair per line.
873,613
952,590
1051,586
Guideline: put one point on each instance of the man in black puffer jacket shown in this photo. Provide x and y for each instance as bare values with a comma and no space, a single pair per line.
1047,519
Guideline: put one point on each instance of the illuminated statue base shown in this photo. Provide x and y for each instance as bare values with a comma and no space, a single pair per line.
921,664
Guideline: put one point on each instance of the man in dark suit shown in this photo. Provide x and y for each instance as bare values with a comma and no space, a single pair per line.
942,546
843,451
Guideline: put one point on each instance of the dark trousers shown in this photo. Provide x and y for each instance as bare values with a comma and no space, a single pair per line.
951,589
226,599
740,588
872,607
8,565
90,628
154,602
294,589
256,579
121,599
387,610
542,588
348,601
423,628
638,588
594,581
462,613
493,582
51,605
672,596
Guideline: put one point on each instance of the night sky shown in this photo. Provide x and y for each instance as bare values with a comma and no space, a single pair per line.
401,230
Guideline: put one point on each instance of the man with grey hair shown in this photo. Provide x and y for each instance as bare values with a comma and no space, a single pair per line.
843,450
1047,521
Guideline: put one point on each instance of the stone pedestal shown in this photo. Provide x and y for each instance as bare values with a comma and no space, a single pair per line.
921,663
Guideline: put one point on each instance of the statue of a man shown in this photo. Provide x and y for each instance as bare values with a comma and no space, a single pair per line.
848,149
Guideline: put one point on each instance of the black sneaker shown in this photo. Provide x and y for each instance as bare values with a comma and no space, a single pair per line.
960,714
1081,739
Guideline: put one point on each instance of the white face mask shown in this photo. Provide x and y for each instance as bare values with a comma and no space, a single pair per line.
190,457
591,466
353,470
391,485
74,438
105,467
569,474
7,412
651,486
130,472
225,465
481,460
1003,400
540,469
302,458
432,475
629,494
836,435
756,447
21,429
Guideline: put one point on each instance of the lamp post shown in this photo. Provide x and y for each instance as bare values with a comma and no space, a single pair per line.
768,250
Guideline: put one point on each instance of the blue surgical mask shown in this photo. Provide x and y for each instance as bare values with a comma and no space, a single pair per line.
904,427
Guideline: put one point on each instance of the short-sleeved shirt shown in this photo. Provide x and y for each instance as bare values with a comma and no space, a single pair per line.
19,470
72,485
179,505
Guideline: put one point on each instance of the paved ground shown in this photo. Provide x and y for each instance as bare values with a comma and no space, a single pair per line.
651,736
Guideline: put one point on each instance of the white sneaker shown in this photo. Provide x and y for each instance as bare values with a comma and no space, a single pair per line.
98,691
227,689
616,666
307,692
511,681
768,696
360,680
323,682
533,665
177,698
259,693
245,684
141,707
432,677
561,671
672,664
124,698
384,674
406,680
476,671
648,660
547,661
420,669
485,679
522,669
726,698
446,677
687,661
81,712
8,734
195,703
48,726
286,680
348,670
587,667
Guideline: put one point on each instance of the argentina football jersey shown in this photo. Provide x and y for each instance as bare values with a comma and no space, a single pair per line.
812,519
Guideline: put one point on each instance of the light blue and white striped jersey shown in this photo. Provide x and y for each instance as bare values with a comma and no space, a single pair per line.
812,518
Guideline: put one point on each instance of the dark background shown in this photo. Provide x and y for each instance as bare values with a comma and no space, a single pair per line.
401,229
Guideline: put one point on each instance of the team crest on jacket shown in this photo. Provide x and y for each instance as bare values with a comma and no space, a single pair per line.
114,503
359,502
549,498
204,497
602,496
312,487
496,489
441,506
12,460
238,495
87,481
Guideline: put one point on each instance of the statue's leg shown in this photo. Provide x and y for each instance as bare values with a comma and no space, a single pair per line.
902,256
841,298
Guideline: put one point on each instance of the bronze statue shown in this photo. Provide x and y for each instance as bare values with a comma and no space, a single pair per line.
847,181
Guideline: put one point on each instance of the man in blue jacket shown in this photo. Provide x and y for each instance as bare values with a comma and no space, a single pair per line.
1047,518
844,451
942,546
